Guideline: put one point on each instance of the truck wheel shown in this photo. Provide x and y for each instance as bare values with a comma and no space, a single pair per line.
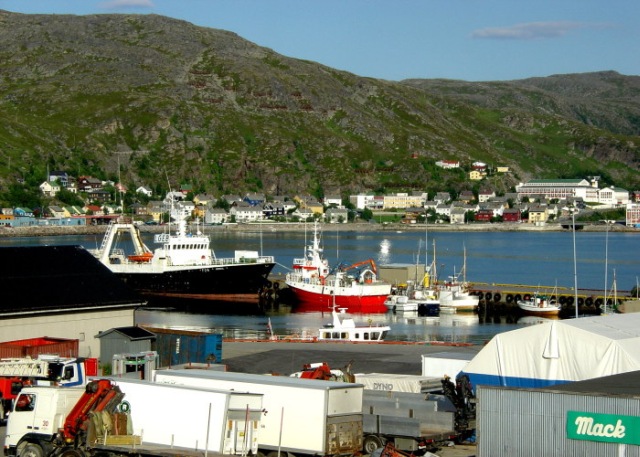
282,454
31,450
371,443
72,453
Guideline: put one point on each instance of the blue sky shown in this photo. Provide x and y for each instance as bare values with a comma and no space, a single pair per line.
472,40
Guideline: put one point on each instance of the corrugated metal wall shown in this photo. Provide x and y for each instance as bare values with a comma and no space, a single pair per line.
182,347
33,347
519,422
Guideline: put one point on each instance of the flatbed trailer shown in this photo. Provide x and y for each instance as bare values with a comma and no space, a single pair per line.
411,421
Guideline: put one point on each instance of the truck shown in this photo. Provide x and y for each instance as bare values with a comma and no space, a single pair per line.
132,418
16,373
303,416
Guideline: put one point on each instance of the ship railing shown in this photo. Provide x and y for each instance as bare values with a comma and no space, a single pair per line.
314,280
223,261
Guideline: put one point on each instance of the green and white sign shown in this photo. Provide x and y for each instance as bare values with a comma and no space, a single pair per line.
608,428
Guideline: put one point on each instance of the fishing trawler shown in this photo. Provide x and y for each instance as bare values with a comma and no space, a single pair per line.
355,288
184,266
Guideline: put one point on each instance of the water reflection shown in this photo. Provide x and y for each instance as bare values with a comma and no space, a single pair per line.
384,255
285,322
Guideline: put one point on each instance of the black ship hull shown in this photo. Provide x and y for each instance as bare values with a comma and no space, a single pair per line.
217,282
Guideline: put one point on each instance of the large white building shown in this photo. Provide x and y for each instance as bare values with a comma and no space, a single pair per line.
563,189
403,200
633,214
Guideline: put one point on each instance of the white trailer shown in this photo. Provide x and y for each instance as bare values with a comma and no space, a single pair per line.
386,382
443,364
193,418
302,416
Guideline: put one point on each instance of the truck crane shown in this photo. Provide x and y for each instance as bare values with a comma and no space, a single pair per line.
97,421
16,373
65,432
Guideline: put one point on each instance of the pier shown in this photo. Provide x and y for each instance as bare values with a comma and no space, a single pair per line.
590,300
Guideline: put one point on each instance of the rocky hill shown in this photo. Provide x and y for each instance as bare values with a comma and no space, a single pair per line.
162,102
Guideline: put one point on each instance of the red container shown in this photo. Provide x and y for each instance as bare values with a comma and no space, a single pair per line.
33,347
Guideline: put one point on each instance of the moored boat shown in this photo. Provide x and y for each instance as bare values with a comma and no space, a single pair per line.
184,266
422,300
355,288
346,330
455,293
540,305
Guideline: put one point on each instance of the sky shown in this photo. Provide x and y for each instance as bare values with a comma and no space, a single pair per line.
471,40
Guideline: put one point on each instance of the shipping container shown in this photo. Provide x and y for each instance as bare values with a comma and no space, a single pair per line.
179,347
33,347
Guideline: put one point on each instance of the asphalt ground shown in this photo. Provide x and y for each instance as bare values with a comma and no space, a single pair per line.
284,358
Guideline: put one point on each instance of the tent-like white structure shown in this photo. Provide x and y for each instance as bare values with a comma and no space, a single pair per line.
557,352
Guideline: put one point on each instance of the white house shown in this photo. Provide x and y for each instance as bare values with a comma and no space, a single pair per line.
448,164
50,188
613,196
215,216
303,213
361,201
144,191
333,200
246,213
336,215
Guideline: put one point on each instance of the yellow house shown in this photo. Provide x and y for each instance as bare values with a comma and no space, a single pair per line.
476,175
538,214
310,203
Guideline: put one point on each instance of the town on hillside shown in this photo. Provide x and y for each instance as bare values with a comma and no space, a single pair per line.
537,201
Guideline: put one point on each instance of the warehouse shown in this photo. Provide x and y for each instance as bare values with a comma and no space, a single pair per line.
61,292
597,417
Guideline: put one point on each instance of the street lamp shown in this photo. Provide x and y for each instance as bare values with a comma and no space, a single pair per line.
575,265
606,262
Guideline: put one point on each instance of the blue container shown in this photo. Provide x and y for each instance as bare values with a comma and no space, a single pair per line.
180,347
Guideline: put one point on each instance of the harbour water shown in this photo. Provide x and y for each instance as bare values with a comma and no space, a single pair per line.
530,258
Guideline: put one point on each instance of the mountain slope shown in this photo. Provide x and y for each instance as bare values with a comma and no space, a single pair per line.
163,98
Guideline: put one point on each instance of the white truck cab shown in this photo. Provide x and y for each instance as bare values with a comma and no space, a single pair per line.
37,414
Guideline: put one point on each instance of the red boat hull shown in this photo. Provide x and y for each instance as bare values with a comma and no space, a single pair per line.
366,304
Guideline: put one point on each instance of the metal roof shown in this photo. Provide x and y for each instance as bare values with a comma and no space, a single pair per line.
43,279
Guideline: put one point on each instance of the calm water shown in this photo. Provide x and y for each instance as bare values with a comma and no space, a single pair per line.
492,257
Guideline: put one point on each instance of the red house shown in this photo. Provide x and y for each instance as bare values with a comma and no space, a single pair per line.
511,215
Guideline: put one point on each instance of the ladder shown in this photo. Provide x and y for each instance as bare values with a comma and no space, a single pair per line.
107,235
24,367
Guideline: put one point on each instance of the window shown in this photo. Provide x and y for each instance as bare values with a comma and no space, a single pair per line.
25,402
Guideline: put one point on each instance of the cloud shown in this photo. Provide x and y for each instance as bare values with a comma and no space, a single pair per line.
119,4
530,30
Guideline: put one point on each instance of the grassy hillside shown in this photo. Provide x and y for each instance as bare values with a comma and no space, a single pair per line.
162,102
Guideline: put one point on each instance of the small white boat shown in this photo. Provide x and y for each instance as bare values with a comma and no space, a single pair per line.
540,305
346,330
400,303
